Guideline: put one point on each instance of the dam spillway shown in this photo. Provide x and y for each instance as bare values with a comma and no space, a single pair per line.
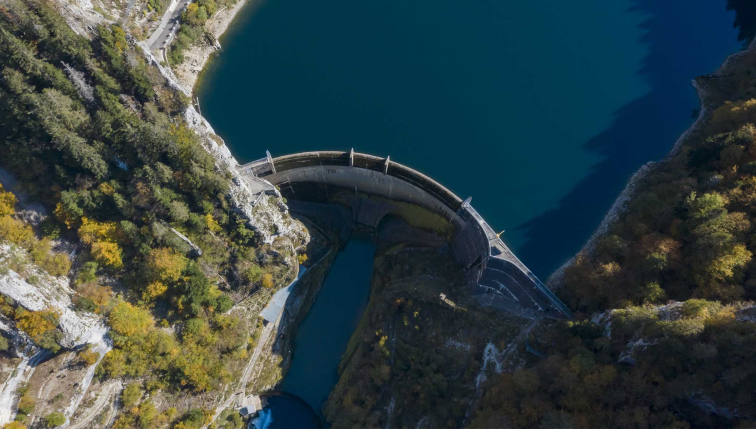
374,187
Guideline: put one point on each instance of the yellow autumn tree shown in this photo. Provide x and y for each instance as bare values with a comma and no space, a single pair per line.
16,231
194,367
129,320
14,425
103,237
166,264
88,356
108,254
154,290
92,231
267,280
37,323
7,203
64,216
98,295
212,224
106,188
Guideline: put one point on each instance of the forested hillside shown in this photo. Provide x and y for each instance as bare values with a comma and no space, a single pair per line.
95,134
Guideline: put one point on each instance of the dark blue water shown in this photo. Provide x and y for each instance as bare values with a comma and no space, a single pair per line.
324,333
540,110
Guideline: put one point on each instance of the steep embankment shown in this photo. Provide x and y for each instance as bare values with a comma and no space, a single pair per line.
422,346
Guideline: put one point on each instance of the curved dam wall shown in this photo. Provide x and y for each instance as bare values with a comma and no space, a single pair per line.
375,187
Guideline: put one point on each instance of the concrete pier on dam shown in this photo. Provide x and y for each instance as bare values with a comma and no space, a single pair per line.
332,182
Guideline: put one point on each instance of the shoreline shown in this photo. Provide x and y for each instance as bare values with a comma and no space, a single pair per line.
198,56
556,279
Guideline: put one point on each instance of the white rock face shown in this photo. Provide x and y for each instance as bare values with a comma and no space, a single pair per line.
20,374
81,16
102,347
51,293
268,218
166,72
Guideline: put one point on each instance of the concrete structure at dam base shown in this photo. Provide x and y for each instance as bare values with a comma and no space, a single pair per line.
374,189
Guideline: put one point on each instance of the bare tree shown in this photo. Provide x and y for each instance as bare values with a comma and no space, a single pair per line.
79,80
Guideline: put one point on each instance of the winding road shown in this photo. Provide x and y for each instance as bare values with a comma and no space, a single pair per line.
242,386
168,24
103,398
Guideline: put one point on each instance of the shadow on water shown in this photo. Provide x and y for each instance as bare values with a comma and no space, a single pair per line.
678,42
745,18
286,411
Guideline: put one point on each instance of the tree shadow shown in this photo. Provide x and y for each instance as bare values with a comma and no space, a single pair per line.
680,47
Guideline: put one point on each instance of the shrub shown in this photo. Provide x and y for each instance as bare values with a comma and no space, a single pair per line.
194,418
56,264
128,320
55,419
88,357
165,264
36,323
131,395
108,254
93,297
253,274
85,304
15,231
7,203
224,303
88,273
154,290
267,281
26,405
147,414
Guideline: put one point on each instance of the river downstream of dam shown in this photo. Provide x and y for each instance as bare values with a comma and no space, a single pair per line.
539,110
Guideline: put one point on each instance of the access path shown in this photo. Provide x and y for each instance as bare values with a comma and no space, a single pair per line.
168,24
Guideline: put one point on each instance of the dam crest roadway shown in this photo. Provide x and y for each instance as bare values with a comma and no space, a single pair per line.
325,184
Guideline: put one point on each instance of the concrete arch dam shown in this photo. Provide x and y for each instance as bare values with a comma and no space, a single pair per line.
375,187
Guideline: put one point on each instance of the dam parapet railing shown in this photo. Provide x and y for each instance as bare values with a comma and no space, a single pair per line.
497,277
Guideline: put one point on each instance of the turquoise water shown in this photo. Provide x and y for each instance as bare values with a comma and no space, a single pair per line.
286,412
540,110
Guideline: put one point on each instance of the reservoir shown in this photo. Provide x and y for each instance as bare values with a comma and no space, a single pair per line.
540,110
